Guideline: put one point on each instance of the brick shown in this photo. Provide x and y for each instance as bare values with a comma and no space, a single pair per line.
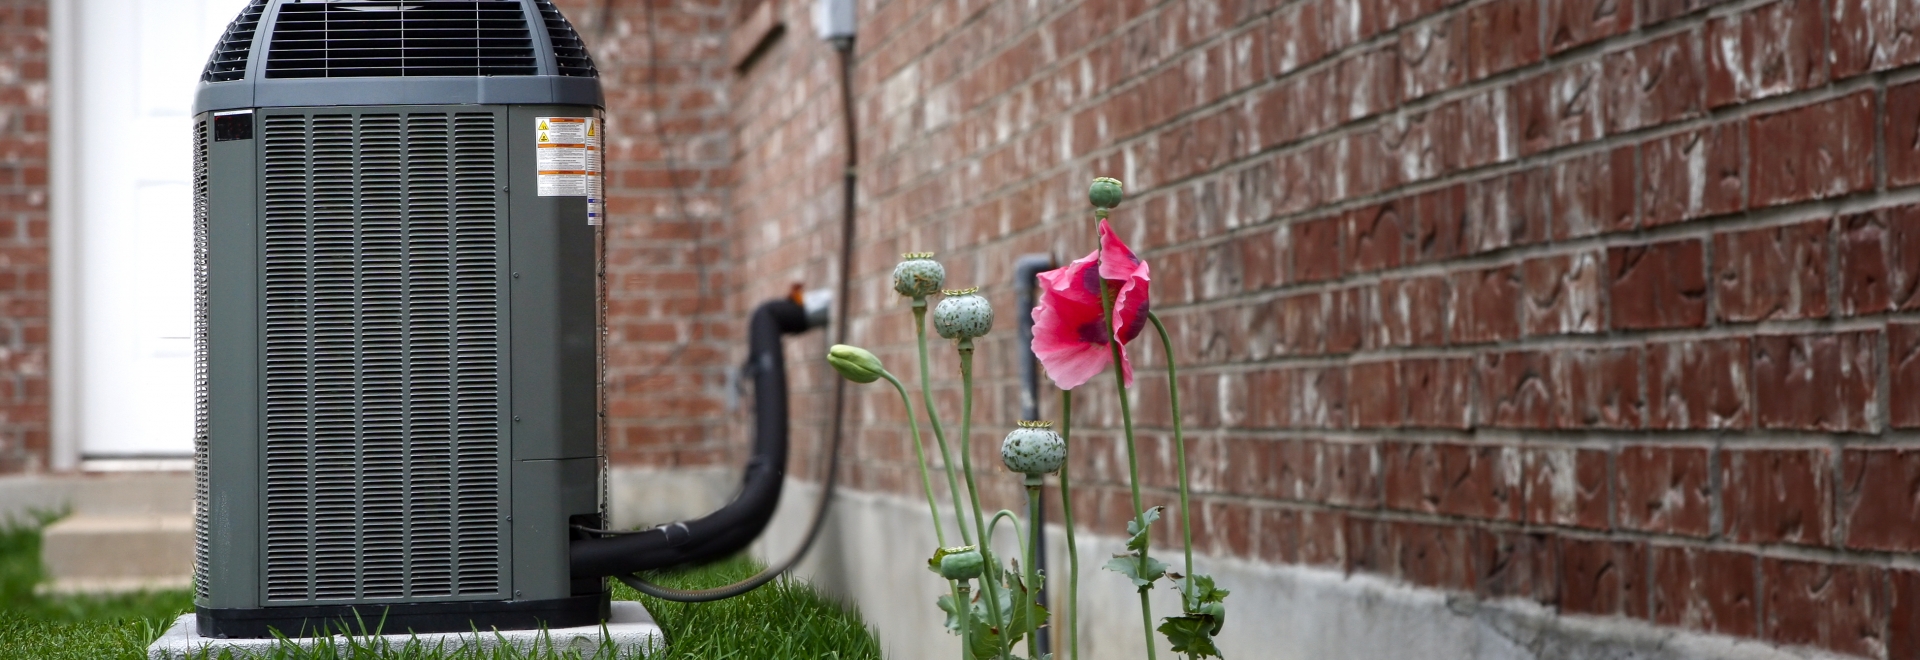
1707,590
1428,555
1595,193
1562,294
1560,107
1573,23
1299,536
1365,546
1654,83
1443,224
1433,56
1478,481
1835,607
1771,274
1773,49
1814,151
1880,260
1566,486
1776,496
1374,238
1693,175
1703,384
1501,35
1316,250
1817,382
1877,505
1903,606
1657,286
1376,394
1871,35
1515,390
1347,318
1607,578
1515,565
1515,209
1410,312
1439,392
1663,489
1484,305
1903,379
1598,388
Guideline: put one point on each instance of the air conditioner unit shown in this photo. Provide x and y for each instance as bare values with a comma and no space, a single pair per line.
396,210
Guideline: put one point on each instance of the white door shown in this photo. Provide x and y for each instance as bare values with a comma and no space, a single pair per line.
136,64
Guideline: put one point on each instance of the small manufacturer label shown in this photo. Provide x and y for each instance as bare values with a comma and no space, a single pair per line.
570,160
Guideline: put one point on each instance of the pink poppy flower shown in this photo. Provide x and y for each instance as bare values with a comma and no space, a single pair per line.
1069,327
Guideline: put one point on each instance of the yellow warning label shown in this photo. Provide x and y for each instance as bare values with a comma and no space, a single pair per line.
543,125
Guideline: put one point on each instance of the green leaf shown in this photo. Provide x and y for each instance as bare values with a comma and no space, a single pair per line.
1129,565
1198,589
984,643
953,613
1137,529
1191,635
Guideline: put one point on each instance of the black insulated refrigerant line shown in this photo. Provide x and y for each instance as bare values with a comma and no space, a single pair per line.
603,553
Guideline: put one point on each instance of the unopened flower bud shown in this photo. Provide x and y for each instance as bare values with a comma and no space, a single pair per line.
1034,449
855,363
918,275
1106,193
963,315
961,563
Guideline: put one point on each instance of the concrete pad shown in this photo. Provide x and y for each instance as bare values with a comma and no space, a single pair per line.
629,628
99,553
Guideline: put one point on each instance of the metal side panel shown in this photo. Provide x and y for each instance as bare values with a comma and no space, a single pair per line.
227,368
555,385
546,494
383,355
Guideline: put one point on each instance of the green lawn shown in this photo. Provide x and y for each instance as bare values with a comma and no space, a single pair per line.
785,619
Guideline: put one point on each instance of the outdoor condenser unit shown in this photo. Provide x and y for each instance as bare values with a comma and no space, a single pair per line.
395,229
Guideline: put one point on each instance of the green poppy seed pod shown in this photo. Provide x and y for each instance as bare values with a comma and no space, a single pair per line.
1106,193
963,314
962,563
855,363
1034,449
918,275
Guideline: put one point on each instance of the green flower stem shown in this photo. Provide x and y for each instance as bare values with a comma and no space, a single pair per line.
1033,575
920,454
933,419
1179,441
1133,453
965,605
1066,508
994,614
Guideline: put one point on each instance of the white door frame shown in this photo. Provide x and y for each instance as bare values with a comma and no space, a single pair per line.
63,254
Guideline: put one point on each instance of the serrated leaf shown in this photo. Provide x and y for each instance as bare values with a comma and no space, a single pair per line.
953,613
1191,635
1130,567
1198,589
984,642
1137,529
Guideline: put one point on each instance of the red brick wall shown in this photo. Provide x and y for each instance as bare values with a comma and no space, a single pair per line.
671,327
1603,304
23,236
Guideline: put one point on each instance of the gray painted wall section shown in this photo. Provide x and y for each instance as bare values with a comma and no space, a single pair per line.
873,554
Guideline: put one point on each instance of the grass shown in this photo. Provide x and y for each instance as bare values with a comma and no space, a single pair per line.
784,619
